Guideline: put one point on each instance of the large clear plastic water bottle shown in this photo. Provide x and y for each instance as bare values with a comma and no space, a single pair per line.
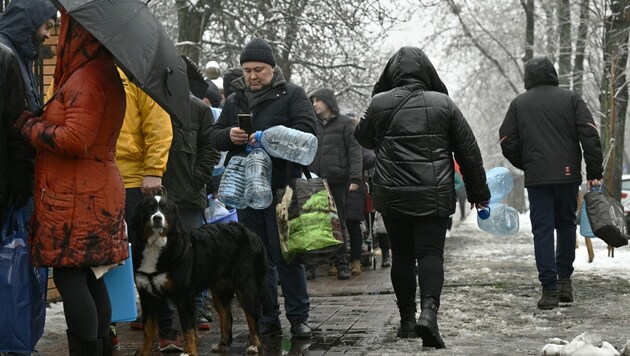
258,194
290,144
500,183
502,221
232,187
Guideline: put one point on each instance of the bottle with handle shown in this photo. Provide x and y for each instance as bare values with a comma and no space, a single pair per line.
258,194
232,187
289,144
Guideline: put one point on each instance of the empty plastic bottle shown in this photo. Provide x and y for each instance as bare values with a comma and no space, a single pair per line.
232,187
502,220
258,194
214,210
287,143
500,183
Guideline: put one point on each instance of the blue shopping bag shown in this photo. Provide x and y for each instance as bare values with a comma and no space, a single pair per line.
585,226
122,291
22,289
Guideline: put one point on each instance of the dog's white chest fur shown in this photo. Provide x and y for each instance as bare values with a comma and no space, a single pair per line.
150,257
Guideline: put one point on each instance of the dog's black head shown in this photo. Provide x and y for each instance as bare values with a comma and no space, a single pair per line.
157,218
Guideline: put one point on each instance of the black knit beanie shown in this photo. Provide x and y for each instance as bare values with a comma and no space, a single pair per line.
257,50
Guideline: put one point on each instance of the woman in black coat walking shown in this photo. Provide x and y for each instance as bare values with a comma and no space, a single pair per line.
415,128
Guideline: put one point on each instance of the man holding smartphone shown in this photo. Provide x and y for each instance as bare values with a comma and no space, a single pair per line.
271,100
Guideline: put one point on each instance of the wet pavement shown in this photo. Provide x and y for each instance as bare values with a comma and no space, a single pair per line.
488,308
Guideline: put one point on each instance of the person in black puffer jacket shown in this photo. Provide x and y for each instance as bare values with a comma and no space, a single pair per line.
541,134
415,128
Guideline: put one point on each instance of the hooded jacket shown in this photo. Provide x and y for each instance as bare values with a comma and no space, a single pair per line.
145,138
280,103
544,128
79,202
18,92
414,170
338,157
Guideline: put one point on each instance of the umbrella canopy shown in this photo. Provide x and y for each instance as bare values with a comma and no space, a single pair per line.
141,48
197,84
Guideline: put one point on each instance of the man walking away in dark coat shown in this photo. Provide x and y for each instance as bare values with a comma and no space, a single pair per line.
24,26
541,134
339,160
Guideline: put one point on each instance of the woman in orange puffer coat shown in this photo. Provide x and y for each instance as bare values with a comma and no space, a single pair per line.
78,221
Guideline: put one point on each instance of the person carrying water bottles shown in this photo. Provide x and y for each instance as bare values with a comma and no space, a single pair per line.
415,128
541,134
263,92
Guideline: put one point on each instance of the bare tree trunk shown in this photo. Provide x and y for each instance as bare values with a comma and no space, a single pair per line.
614,91
528,6
564,32
191,26
550,29
580,45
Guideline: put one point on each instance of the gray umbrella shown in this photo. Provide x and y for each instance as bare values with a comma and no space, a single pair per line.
141,48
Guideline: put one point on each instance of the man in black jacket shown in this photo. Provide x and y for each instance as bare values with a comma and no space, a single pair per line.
263,93
339,160
24,26
541,134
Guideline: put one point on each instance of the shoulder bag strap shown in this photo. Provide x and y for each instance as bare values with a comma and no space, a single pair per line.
391,117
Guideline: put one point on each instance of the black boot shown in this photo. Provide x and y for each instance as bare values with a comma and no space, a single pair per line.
407,322
565,290
427,327
77,347
549,300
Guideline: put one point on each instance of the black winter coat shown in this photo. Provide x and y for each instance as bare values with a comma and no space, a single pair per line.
338,157
191,159
355,202
284,104
414,160
544,127
18,23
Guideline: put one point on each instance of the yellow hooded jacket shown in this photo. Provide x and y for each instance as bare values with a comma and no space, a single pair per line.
145,137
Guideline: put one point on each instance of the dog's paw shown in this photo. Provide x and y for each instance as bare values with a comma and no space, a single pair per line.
220,348
251,350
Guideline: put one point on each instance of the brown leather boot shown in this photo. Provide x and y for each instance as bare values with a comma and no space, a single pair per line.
356,268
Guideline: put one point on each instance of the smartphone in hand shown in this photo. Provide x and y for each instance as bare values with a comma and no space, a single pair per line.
245,123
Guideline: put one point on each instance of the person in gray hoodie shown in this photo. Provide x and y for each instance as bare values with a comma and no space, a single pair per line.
339,160
24,26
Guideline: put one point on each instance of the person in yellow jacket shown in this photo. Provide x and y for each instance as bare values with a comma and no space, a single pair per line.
141,155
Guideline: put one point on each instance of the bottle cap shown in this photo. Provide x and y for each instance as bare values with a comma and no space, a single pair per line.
483,213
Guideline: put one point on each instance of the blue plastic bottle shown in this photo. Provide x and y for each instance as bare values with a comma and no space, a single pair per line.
290,144
232,187
502,221
258,194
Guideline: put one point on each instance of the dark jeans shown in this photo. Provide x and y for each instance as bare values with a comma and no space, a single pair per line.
553,207
416,239
356,238
193,218
339,192
132,197
291,276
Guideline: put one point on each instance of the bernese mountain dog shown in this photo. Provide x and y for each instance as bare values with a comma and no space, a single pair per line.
171,262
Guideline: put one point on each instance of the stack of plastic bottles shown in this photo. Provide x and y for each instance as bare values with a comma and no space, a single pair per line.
258,193
232,187
498,218
247,180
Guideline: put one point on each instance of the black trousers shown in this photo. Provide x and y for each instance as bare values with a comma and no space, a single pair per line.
416,240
